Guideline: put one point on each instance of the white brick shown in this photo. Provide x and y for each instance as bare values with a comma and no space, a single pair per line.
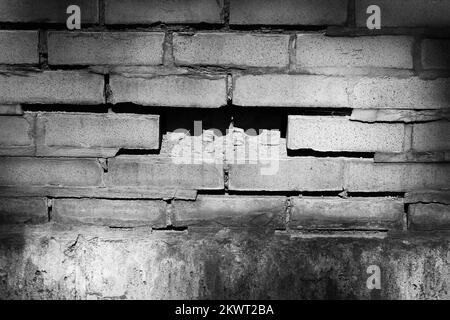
26,172
68,87
19,47
322,133
162,172
231,49
319,51
410,93
291,174
176,91
367,176
352,213
15,132
97,134
290,91
112,213
105,48
431,136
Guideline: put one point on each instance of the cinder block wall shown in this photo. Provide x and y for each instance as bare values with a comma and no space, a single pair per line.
224,149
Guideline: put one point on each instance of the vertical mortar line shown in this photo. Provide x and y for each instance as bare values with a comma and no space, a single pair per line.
39,132
49,208
288,212
229,89
351,14
406,217
169,212
107,92
292,49
43,49
226,14
408,137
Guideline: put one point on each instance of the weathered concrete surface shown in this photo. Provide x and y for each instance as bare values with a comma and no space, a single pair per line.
47,261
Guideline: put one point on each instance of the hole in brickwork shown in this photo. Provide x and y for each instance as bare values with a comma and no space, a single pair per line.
65,108
136,152
329,154
170,228
377,194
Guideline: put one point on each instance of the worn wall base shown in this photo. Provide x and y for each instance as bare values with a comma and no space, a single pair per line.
52,261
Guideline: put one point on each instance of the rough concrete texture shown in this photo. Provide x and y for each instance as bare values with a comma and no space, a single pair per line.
435,54
429,217
231,49
319,51
79,134
175,91
406,13
288,12
432,136
105,48
167,11
322,133
19,47
231,211
111,213
46,11
352,213
91,263
69,87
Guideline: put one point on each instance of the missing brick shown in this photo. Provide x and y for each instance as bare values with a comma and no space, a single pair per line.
65,108
329,154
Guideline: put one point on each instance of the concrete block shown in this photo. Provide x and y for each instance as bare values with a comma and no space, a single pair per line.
351,213
231,211
79,134
105,48
429,217
176,91
431,136
274,90
25,172
64,87
112,213
162,172
323,133
231,49
19,47
23,210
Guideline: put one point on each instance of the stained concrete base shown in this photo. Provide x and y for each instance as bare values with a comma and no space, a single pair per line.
55,262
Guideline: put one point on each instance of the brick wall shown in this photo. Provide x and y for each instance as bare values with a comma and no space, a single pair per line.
167,119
